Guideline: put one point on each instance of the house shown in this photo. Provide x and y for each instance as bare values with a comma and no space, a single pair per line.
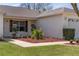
51,22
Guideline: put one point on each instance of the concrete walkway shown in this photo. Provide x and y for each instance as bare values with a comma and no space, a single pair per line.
27,44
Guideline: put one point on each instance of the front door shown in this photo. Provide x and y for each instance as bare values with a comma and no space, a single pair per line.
33,26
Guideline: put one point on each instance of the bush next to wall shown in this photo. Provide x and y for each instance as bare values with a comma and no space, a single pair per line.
68,33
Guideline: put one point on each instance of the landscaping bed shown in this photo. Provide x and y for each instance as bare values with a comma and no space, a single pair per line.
40,40
73,44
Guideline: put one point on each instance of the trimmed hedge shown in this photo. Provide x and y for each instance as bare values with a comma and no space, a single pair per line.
68,33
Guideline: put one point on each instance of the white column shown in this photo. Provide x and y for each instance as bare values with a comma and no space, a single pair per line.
29,27
1,25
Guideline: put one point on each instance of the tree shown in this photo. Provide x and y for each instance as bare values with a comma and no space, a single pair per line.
37,6
75,7
25,5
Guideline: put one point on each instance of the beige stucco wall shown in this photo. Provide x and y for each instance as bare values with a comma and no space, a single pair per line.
73,24
52,26
1,25
70,14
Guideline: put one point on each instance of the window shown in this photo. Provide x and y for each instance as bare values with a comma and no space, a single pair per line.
19,25
70,20
73,20
77,20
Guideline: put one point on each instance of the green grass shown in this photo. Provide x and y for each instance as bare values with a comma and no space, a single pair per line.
8,49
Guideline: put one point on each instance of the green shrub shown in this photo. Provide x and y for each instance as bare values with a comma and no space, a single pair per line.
37,34
68,33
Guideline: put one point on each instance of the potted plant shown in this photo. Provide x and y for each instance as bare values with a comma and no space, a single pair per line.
77,41
71,41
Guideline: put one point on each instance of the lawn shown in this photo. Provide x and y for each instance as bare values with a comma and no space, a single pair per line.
8,49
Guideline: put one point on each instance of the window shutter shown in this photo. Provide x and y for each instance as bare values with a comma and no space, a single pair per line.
26,26
10,25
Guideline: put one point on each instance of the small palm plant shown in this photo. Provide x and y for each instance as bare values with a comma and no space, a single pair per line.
37,34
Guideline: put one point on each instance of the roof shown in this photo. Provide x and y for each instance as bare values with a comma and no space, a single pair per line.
51,12
55,12
18,11
23,12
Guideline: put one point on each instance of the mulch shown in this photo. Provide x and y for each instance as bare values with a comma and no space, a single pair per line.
40,40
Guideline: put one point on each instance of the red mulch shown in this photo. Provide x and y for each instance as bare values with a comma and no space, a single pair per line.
40,41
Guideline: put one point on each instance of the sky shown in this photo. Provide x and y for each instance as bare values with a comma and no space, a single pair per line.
59,5
55,5
10,4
